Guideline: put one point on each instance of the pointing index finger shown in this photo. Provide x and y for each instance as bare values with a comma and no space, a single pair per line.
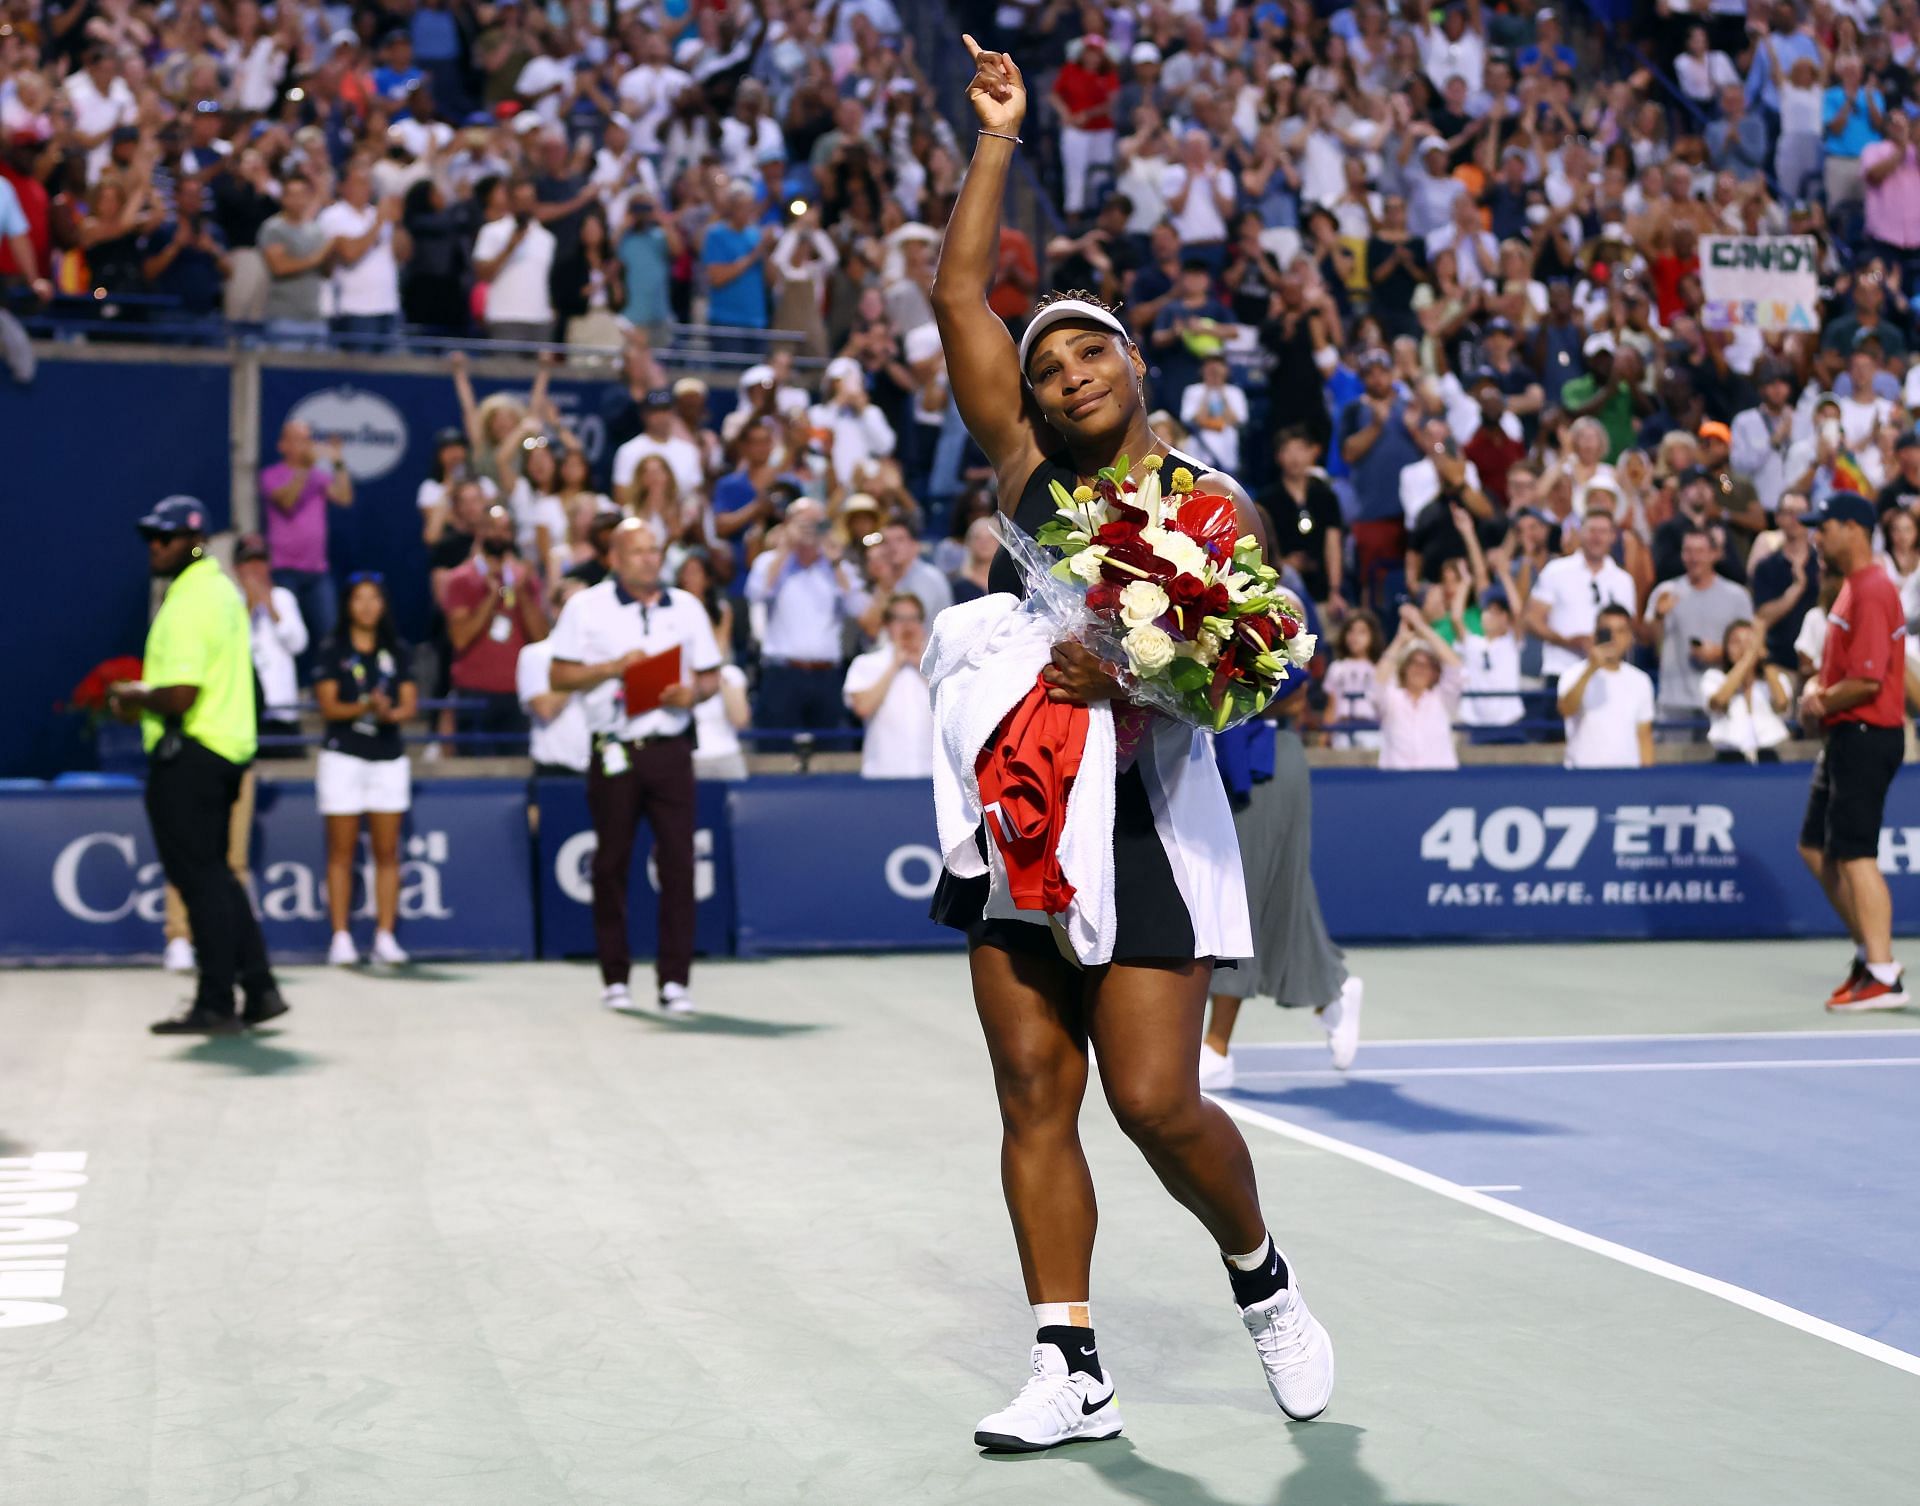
973,47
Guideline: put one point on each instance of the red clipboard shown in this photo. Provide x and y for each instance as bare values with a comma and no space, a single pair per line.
648,680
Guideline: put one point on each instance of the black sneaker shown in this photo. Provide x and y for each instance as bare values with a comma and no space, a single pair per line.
264,1007
198,1022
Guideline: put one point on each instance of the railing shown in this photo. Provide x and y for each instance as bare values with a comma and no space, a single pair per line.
150,318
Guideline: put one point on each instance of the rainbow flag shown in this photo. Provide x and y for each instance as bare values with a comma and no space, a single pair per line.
1848,477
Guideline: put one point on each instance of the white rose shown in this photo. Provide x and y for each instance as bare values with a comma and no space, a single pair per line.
1149,649
1086,565
1142,602
1177,550
1300,649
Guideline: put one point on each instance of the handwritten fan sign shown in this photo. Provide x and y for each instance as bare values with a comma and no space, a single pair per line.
1765,282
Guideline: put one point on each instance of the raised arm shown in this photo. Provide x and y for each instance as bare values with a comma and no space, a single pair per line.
982,361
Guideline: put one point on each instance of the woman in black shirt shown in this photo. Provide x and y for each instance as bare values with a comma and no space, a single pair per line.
366,692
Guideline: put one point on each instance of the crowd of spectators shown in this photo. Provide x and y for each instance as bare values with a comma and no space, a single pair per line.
1427,280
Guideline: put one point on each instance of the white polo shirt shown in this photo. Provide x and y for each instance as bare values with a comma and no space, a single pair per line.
681,455
1575,595
371,286
603,622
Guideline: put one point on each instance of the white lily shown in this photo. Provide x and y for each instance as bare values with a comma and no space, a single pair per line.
1147,498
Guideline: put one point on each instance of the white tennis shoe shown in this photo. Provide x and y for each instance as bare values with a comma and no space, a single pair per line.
1216,1070
343,953
1341,1021
387,951
178,957
1294,1350
1056,1406
617,997
676,1000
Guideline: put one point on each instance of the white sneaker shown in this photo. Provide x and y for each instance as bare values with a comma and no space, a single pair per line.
1294,1349
675,1000
342,953
388,951
616,997
1341,1020
1056,1406
178,957
1216,1070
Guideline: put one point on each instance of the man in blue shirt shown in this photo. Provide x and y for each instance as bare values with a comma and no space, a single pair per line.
734,255
1377,442
1850,116
1187,330
187,259
1786,41
396,76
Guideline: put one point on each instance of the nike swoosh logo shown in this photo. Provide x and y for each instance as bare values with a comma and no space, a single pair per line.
1087,1409
1087,1353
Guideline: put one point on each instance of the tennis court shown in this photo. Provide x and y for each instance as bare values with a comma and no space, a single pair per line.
1607,1224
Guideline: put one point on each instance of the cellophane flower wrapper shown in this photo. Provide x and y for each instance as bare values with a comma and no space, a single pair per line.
1192,622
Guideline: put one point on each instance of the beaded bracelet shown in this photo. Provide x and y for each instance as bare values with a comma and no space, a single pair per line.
1002,136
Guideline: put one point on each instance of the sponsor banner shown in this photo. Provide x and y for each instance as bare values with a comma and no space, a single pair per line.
833,862
82,879
565,858
1692,850
1765,282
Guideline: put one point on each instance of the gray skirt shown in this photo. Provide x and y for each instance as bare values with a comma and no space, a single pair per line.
1295,962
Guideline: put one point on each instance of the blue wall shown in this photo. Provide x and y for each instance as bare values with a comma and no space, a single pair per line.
90,447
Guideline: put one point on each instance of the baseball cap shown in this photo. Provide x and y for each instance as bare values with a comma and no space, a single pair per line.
1694,473
1375,357
171,515
1094,41
1714,429
842,367
249,546
1499,324
1908,441
1143,52
689,384
1066,311
1865,337
1844,507
1597,345
756,376
659,398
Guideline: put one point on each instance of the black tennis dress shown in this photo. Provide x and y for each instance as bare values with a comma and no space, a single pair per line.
1153,903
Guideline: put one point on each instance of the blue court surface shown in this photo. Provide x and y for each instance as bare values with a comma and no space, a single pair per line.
1782,1163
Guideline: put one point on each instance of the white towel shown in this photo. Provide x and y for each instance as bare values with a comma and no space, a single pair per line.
981,660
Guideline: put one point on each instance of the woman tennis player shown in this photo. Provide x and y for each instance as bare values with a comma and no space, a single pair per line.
1068,400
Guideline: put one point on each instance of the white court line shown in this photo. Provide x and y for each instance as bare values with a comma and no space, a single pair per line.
1554,1040
1543,1069
1497,1187
1537,1223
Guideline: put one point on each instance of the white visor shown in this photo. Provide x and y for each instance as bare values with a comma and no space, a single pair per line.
1067,310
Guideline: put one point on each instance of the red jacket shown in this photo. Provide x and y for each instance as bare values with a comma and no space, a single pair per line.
1026,772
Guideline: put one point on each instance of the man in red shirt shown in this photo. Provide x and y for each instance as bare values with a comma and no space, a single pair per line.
1860,702
1083,97
493,611
1492,450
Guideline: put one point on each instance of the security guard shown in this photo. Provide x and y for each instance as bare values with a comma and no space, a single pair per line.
196,712
642,761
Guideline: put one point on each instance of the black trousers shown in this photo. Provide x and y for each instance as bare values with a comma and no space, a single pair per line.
190,802
657,786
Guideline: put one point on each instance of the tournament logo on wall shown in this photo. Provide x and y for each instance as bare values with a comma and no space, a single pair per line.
372,434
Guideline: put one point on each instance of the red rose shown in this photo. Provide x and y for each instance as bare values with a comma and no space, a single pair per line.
1289,629
1118,531
1186,590
1133,551
1104,597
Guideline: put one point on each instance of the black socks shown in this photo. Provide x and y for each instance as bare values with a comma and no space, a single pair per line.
1264,1281
1076,1344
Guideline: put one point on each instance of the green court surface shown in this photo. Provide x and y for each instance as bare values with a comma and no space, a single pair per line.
461,1239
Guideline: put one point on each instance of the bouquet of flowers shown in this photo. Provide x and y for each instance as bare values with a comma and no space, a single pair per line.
1156,580
90,695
